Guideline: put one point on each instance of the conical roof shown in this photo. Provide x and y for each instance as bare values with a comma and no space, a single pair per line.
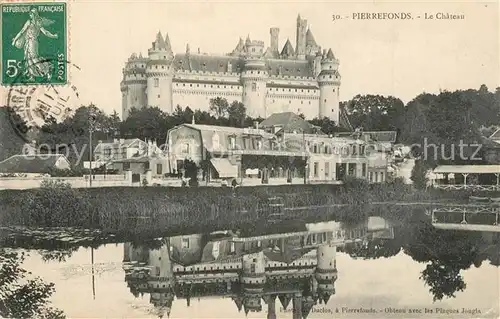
168,47
310,41
285,300
239,47
330,55
159,43
287,49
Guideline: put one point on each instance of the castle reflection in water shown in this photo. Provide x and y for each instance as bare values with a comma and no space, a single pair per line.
296,267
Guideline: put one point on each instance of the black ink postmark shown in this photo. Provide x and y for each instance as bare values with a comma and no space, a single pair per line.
30,106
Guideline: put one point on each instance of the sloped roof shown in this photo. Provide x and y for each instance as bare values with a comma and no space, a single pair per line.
287,49
330,54
344,120
207,63
467,169
229,129
159,43
214,63
378,136
112,144
289,254
310,41
289,121
168,46
495,135
42,163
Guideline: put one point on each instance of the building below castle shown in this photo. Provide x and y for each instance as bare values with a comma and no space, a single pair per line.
301,79
297,268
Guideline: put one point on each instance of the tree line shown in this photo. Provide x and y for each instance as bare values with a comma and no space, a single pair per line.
444,119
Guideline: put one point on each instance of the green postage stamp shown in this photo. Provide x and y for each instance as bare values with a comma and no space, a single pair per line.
34,43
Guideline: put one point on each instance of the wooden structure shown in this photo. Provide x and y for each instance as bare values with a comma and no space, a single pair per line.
466,217
465,171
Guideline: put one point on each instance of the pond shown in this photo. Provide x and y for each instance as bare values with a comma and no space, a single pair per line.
378,266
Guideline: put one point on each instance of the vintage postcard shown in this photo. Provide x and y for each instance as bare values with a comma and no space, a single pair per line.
249,159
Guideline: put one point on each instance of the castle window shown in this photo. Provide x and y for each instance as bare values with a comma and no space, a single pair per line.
302,90
157,82
289,90
290,102
183,84
301,102
197,85
185,242
254,87
253,49
333,111
158,95
309,102
204,85
295,90
330,76
325,100
162,66
333,90
190,85
330,66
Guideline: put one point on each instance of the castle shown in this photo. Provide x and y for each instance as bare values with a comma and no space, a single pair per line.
304,79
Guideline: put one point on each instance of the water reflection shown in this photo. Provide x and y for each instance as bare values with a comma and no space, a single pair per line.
286,269
298,267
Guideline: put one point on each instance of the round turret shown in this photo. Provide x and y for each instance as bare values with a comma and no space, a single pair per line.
329,83
159,73
252,303
326,271
253,275
254,77
134,84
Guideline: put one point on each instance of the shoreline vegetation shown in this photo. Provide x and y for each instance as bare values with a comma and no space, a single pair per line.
125,210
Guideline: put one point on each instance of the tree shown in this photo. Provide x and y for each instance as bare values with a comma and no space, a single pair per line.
327,125
20,296
219,107
145,123
237,114
375,112
71,136
419,174
446,253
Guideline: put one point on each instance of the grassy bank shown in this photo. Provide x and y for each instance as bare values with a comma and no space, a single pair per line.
138,209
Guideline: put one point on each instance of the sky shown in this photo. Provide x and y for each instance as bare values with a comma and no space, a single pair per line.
402,58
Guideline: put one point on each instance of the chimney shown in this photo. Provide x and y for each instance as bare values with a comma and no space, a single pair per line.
274,44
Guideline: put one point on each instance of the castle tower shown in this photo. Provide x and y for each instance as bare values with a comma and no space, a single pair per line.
300,44
326,271
159,74
133,85
127,247
274,44
329,83
161,280
253,278
253,78
271,307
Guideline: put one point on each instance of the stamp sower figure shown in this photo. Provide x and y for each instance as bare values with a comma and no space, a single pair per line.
27,38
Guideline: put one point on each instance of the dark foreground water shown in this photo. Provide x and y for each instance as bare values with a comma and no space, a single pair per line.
376,267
